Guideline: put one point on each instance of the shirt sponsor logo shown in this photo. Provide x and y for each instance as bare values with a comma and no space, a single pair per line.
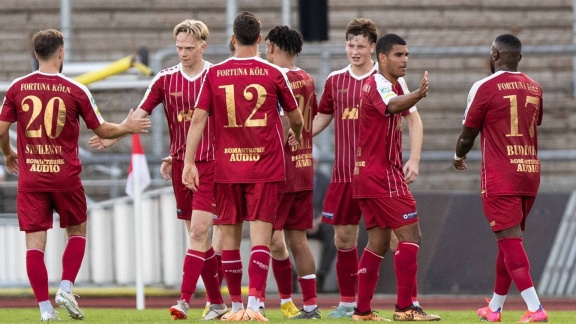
244,154
182,115
350,113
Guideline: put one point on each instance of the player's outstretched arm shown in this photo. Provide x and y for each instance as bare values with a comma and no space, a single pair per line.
10,156
401,103
102,143
131,125
98,143
321,121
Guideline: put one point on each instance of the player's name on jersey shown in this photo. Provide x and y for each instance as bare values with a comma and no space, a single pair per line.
43,149
306,144
521,150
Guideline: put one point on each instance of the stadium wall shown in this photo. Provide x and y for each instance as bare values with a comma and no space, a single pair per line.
456,254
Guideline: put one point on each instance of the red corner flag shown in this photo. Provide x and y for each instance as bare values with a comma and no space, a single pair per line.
138,173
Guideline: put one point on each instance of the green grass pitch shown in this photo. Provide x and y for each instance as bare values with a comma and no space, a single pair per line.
115,315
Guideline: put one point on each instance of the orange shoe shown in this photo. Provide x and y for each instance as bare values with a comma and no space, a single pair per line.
414,314
368,316
255,316
240,315
538,316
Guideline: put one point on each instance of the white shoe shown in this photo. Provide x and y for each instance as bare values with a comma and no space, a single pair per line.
215,313
49,317
68,300
180,310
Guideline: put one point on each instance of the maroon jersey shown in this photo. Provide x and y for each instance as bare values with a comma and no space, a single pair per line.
47,108
378,170
299,167
341,98
178,93
242,95
507,107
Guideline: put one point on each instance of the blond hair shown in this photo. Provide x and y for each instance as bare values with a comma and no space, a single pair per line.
194,27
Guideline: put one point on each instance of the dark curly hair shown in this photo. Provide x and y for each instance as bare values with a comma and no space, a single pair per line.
287,39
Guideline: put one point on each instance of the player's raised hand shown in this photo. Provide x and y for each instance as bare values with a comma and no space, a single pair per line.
424,85
101,143
137,125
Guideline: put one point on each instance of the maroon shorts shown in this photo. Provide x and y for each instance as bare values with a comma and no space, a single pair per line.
389,212
35,209
339,207
504,212
186,200
295,210
238,202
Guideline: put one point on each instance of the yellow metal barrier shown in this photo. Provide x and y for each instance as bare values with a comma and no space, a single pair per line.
115,67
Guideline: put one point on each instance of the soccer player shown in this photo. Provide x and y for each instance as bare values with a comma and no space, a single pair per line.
506,107
380,185
340,101
242,94
295,208
48,107
177,88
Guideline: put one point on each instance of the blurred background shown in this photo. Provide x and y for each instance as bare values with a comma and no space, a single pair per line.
449,38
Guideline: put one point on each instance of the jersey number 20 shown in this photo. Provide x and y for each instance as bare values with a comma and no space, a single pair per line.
34,103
